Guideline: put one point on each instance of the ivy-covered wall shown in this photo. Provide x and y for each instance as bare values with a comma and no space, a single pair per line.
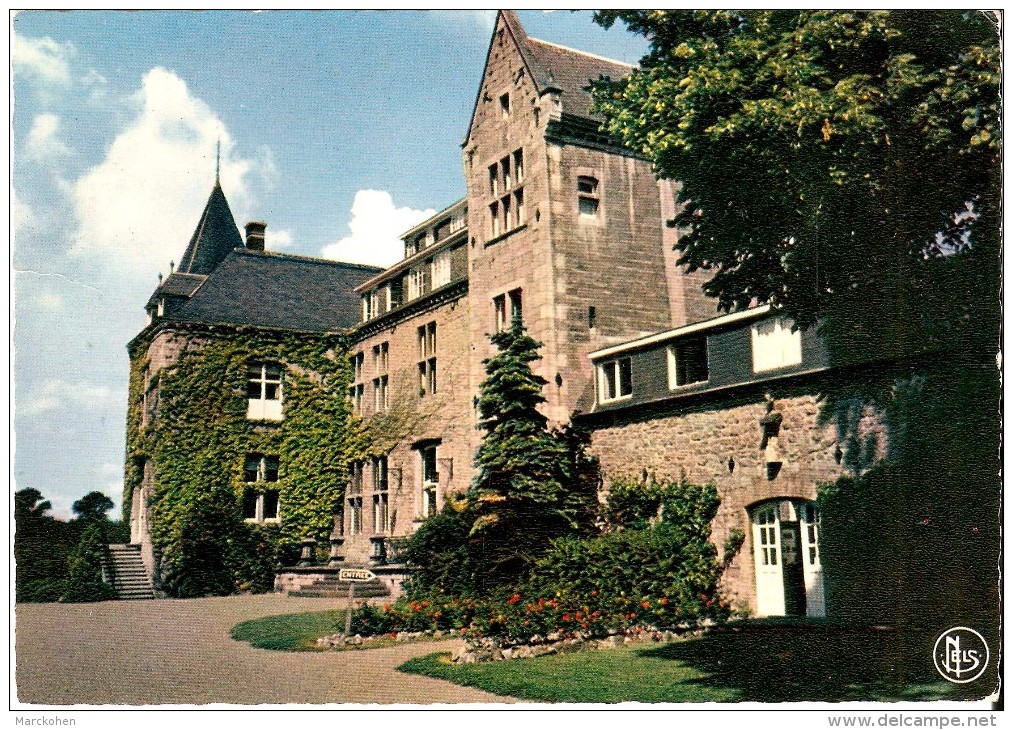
198,438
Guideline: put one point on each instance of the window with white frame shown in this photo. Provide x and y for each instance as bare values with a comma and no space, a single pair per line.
441,269
615,379
775,345
506,210
260,503
427,359
430,480
263,391
687,361
381,503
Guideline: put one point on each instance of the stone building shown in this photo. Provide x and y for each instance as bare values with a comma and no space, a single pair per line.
225,289
560,227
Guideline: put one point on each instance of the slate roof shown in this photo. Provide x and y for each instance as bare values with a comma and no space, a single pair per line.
267,289
215,236
557,67
571,71
177,285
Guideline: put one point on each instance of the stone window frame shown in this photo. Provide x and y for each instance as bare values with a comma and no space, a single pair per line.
381,496
513,300
427,359
589,192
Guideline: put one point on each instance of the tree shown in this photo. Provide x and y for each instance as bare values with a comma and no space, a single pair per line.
28,502
84,580
826,159
533,484
92,507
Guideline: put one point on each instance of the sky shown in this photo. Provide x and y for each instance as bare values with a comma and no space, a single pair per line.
340,129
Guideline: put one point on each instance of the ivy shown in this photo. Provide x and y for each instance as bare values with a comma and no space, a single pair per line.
200,437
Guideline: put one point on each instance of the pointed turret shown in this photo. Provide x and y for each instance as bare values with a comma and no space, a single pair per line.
215,237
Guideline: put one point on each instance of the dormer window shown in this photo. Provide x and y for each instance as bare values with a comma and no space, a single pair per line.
615,379
264,391
687,361
775,345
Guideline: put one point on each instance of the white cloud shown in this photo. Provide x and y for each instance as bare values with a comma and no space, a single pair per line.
43,139
140,204
51,395
277,240
484,19
42,58
24,216
376,227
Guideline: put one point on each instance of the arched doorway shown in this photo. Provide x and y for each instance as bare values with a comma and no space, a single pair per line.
789,576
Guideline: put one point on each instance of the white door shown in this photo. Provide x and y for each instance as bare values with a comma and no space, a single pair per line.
767,553
812,571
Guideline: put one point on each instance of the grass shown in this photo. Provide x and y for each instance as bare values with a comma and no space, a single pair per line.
291,631
760,663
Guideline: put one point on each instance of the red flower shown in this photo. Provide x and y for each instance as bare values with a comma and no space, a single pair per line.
594,593
663,601
645,604
566,617
926,521
515,598
710,602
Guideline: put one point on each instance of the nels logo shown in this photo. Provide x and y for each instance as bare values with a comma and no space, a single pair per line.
960,655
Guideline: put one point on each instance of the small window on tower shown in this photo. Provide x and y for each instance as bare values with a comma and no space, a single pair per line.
587,196
504,105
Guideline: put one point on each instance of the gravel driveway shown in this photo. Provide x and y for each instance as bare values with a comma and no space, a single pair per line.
179,652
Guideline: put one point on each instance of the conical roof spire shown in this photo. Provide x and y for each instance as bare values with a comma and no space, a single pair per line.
215,237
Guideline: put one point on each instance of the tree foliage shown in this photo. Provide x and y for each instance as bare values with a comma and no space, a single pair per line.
92,506
533,484
826,158
84,576
198,444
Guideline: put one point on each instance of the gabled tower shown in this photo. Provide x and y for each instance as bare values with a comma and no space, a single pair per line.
214,238
565,225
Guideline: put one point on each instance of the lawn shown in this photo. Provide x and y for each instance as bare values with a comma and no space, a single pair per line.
291,631
759,663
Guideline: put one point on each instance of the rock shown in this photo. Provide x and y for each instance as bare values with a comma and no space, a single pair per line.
708,622
509,653
437,634
495,655
356,640
669,636
554,636
524,652
536,639
467,657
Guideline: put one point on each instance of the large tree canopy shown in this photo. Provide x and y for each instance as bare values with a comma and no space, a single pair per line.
826,157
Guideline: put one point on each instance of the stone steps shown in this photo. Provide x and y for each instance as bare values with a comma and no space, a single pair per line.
129,577
331,587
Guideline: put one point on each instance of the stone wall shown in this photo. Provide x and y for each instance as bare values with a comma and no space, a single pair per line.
697,443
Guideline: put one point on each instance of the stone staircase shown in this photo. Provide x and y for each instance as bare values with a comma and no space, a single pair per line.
329,586
129,577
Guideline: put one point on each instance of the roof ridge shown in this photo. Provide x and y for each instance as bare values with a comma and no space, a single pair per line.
580,52
305,259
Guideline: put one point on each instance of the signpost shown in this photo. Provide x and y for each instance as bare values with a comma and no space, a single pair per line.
353,576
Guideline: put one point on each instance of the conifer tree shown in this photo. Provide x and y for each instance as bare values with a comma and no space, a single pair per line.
533,484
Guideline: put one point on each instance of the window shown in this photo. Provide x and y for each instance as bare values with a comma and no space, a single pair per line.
506,211
504,105
354,498
430,480
587,196
380,360
259,504
381,504
417,282
371,303
687,361
615,379
427,359
775,345
441,269
264,392
356,391
500,305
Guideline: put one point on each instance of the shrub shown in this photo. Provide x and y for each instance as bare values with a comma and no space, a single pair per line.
42,590
84,582
440,556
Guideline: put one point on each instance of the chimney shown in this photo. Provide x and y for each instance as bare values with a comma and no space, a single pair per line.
255,235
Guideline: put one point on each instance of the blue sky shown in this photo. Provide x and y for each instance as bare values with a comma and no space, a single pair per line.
340,129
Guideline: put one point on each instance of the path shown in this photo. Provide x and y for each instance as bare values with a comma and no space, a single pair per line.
179,652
